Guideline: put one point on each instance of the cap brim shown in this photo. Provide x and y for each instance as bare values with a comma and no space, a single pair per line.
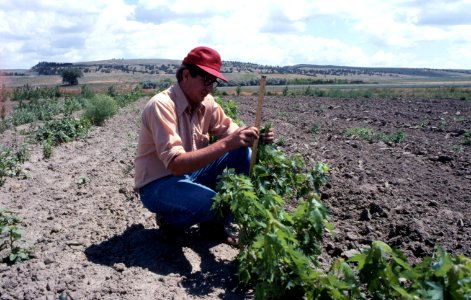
212,72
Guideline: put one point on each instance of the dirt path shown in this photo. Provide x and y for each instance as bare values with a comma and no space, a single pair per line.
94,240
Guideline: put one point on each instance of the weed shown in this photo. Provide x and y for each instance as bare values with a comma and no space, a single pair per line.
283,115
83,180
315,129
362,133
371,136
285,91
281,142
467,138
457,149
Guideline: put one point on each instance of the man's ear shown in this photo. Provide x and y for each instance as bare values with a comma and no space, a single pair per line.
186,74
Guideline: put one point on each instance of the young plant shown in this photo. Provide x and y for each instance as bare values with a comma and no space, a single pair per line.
10,236
467,138
47,148
10,162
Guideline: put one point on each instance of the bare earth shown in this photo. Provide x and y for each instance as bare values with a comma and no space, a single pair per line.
94,240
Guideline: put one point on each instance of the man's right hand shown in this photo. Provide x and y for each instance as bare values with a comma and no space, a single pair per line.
243,137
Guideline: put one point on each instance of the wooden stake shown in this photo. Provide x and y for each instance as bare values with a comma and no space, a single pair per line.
258,119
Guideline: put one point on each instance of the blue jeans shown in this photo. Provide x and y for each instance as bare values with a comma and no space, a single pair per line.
186,200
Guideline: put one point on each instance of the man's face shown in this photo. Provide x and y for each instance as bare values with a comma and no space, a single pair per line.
198,87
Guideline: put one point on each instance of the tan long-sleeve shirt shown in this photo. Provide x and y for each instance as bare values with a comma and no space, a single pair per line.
169,127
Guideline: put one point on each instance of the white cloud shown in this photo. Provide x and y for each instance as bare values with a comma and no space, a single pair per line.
366,33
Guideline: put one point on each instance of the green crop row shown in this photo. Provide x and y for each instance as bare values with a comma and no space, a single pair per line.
279,249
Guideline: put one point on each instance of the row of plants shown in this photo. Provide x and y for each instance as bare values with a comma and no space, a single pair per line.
57,126
28,92
56,121
280,245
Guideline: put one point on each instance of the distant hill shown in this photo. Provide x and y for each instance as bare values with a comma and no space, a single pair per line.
169,66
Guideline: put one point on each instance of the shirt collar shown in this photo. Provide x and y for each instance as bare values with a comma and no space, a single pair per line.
181,102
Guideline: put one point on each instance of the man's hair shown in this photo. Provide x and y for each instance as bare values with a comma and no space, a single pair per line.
194,71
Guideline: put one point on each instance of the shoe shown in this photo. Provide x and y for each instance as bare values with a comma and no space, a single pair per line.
168,229
219,233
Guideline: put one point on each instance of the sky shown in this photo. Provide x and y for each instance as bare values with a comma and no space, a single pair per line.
368,33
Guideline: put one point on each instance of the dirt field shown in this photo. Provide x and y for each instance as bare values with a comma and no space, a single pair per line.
94,240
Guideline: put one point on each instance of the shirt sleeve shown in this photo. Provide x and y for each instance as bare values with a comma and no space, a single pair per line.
161,120
221,124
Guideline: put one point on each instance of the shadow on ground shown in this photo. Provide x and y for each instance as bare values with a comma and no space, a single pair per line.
153,250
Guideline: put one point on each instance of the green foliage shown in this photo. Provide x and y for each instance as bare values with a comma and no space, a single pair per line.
467,138
47,148
238,90
10,162
86,92
60,131
27,92
100,108
42,110
278,248
229,107
111,91
124,99
387,275
10,235
371,136
285,91
70,76
315,128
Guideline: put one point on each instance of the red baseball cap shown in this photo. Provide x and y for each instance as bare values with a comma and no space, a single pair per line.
206,59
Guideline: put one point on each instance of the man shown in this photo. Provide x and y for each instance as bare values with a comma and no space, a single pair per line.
176,168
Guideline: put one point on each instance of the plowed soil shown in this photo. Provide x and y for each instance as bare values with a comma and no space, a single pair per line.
94,240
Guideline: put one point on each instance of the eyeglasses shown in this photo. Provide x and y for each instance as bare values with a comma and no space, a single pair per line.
209,82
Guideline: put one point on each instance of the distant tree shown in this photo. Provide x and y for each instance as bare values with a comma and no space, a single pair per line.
71,75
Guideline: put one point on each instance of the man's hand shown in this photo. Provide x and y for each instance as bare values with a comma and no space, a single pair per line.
245,136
